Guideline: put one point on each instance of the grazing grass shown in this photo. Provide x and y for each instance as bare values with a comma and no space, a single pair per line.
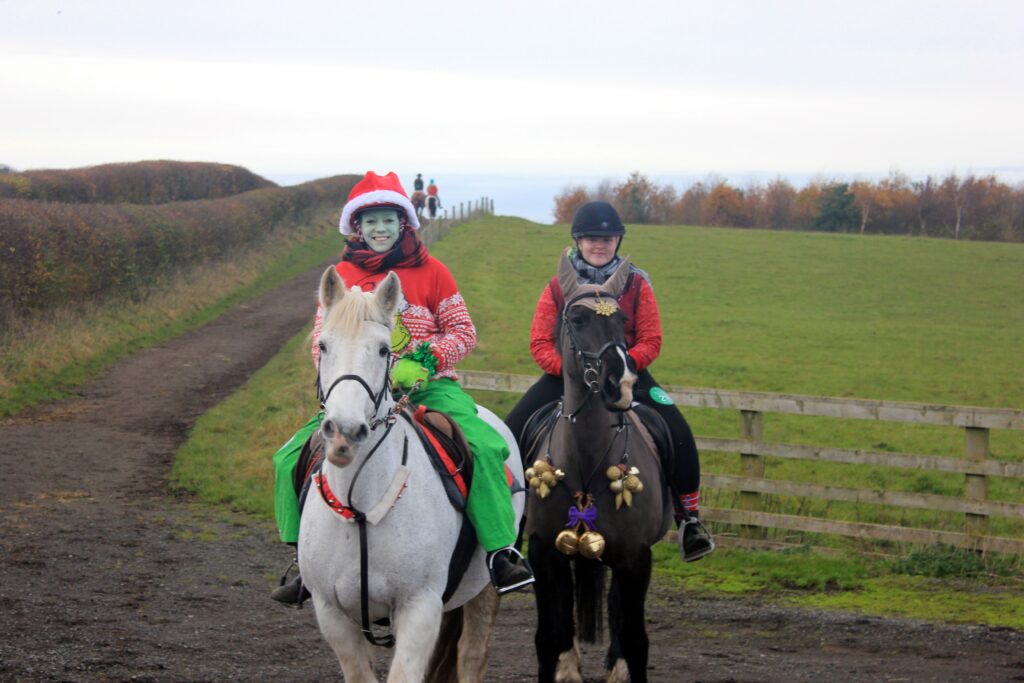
83,339
716,287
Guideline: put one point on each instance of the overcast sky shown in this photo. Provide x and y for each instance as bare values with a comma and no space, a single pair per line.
565,88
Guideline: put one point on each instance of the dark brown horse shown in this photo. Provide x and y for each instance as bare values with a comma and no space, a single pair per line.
599,498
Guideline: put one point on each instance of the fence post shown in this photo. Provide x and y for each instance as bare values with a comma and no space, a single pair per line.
751,467
976,485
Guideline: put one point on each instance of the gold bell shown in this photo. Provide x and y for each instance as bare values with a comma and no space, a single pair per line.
566,542
591,545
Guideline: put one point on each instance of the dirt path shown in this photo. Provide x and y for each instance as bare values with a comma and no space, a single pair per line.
103,577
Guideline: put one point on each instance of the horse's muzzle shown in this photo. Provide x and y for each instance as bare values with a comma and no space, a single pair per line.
337,449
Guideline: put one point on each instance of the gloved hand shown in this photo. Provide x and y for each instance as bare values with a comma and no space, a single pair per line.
407,372
631,364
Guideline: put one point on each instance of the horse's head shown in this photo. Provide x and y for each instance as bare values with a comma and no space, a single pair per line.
592,338
355,361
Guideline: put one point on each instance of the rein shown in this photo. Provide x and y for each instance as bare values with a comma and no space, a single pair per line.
351,512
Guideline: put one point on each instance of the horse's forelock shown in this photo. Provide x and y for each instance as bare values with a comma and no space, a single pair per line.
347,316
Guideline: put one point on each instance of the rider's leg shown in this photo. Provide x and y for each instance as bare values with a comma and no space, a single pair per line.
489,504
286,506
545,390
694,539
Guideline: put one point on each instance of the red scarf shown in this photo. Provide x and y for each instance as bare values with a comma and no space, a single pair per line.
407,252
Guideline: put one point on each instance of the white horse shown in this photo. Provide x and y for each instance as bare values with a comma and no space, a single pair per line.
376,465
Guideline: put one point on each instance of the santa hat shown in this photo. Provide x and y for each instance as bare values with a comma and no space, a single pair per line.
376,191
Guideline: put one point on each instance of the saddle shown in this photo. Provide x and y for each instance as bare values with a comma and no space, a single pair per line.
449,453
650,426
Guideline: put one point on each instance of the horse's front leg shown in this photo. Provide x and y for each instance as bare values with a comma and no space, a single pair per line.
557,657
353,651
416,623
631,582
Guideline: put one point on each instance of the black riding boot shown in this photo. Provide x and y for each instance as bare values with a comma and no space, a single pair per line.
694,540
509,570
291,593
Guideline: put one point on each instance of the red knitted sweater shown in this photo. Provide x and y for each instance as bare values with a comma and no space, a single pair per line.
644,346
433,311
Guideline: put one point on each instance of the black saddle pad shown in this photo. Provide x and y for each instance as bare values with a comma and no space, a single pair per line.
537,428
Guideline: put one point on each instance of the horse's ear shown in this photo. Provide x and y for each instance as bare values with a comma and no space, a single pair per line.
617,282
566,276
332,288
389,295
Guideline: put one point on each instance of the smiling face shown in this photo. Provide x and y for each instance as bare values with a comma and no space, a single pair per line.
380,228
598,251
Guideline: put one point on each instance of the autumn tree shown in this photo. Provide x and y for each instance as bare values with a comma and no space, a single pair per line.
865,197
570,199
779,204
633,199
725,206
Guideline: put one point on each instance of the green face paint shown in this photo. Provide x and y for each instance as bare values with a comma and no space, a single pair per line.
380,228
659,396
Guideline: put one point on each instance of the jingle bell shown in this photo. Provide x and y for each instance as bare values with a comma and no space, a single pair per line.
591,545
567,542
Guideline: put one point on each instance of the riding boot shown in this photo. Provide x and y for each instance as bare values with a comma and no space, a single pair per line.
694,539
509,570
291,593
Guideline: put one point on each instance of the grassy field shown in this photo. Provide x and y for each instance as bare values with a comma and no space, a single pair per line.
883,318
888,318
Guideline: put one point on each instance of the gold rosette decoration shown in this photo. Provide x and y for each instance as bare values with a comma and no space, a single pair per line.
624,484
542,477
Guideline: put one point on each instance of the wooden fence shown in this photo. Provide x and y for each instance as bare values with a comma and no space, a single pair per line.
434,230
749,515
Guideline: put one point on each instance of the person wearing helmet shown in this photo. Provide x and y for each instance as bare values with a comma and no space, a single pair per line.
433,331
597,232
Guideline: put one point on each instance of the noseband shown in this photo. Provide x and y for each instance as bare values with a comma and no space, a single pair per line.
377,398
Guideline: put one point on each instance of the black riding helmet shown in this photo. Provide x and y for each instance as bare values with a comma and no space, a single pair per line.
598,219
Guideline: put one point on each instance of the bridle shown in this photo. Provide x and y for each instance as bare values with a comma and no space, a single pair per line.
377,398
591,361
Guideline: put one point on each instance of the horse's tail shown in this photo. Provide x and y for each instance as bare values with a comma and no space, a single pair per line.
589,580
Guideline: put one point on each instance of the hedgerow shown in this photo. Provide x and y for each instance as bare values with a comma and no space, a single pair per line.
142,182
53,253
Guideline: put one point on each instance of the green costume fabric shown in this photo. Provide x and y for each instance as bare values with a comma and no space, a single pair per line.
286,503
489,505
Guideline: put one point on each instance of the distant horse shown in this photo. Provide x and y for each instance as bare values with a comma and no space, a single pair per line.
599,499
433,204
419,201
378,532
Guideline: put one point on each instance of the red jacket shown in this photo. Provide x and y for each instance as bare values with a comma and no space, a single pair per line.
643,324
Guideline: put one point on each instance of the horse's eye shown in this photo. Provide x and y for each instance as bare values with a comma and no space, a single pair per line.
383,351
323,347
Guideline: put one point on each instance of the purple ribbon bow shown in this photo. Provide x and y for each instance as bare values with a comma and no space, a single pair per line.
587,516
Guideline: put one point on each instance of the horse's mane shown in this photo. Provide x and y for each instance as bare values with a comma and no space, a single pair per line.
347,315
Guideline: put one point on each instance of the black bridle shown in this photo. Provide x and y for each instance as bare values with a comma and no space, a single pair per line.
591,361
377,398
